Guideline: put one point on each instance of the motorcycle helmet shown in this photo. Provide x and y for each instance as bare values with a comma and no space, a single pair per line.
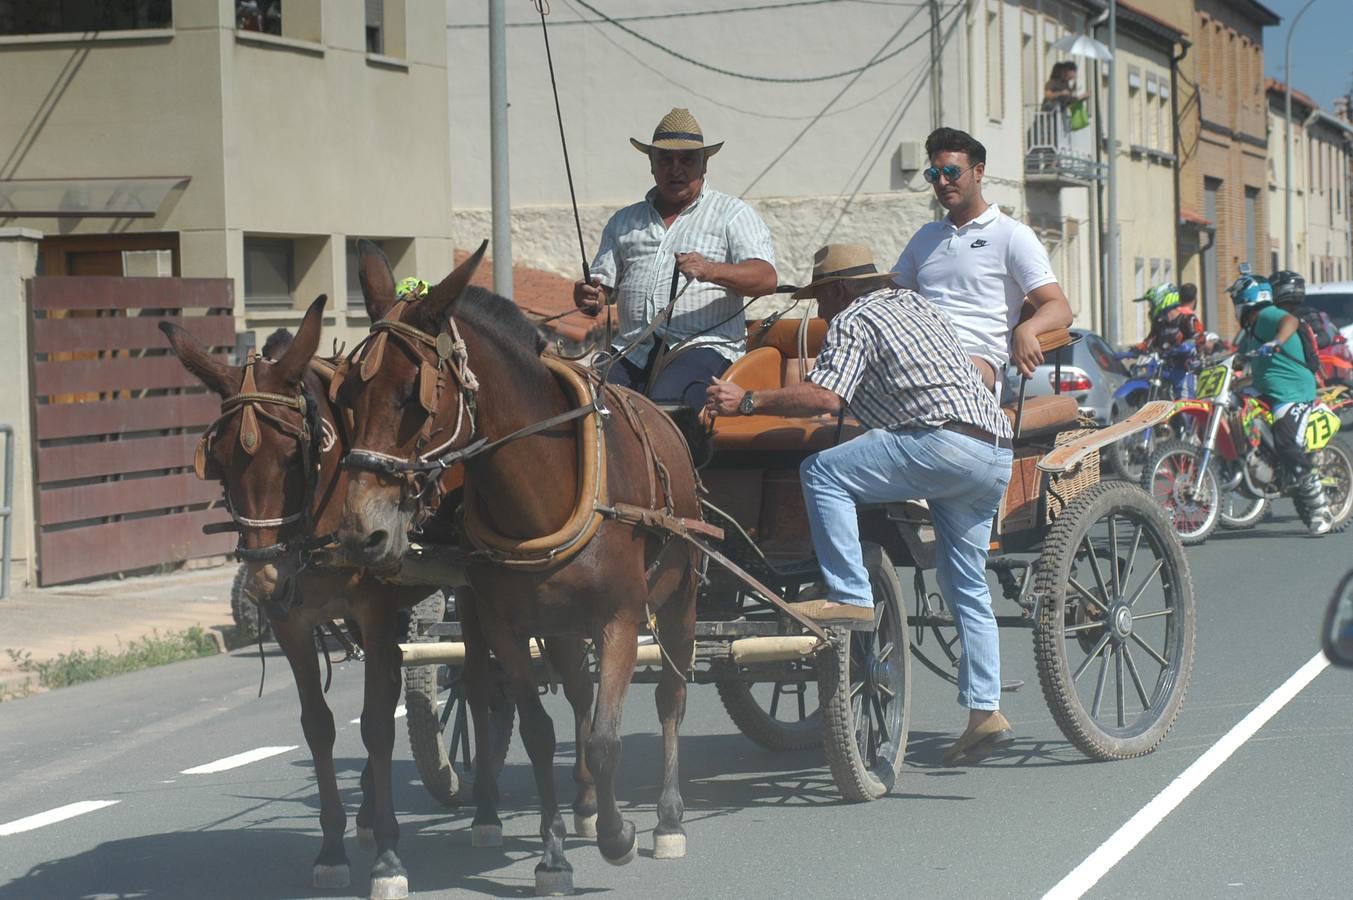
1162,298
1249,292
1288,287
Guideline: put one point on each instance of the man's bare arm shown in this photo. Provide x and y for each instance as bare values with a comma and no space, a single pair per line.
1051,312
749,278
802,399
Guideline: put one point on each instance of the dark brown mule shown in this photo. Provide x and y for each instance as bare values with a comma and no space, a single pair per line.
276,450
494,382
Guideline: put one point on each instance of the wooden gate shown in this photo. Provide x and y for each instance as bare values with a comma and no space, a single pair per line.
115,419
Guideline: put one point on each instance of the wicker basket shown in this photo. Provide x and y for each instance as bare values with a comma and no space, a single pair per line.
1062,489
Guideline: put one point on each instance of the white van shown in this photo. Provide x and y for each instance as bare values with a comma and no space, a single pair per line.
1334,299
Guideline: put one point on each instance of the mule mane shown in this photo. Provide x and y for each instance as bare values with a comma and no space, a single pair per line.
499,319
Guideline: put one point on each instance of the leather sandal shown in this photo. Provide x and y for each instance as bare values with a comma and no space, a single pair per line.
977,743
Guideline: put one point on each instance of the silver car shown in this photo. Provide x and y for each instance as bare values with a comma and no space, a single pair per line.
1090,372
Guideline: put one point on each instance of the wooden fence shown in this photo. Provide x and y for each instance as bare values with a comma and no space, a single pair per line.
115,420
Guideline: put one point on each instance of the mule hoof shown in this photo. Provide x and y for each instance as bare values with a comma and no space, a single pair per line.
585,826
609,846
554,883
486,835
325,877
366,838
669,846
395,887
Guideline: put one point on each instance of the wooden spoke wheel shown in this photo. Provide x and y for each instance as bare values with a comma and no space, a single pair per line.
864,681
1114,638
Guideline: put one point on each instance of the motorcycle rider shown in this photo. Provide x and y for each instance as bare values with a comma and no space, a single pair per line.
1280,376
1176,334
1289,292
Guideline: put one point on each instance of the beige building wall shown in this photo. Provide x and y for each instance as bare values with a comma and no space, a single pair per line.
304,137
1277,184
1327,220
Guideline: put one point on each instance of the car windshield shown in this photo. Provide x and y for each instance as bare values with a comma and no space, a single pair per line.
1103,355
1338,306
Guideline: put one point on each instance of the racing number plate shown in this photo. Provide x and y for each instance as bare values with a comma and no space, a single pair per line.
1210,381
1321,425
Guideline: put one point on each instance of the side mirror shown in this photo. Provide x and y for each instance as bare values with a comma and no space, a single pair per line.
1336,637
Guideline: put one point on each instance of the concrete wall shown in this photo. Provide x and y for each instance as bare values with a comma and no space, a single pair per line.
1327,210
802,172
18,261
1277,184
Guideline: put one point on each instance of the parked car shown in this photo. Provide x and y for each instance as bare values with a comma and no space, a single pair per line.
1090,372
1334,299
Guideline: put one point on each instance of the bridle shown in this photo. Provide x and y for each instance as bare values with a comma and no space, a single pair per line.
251,405
440,358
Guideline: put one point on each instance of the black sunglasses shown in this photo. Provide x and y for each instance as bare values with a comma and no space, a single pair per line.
950,172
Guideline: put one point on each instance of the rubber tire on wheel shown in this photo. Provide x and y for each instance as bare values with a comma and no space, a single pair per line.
248,615
1173,450
870,772
754,721
1052,583
1336,454
1255,510
426,742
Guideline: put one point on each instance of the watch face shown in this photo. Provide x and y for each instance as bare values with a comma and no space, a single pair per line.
748,404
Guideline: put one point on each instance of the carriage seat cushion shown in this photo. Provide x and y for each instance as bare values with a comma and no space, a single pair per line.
764,433
1043,415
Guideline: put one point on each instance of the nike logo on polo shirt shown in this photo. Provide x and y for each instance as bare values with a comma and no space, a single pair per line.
978,243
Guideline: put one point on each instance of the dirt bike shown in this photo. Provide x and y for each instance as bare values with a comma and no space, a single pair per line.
1156,376
1234,473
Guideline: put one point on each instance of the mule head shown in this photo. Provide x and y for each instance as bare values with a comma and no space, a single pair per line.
258,449
406,399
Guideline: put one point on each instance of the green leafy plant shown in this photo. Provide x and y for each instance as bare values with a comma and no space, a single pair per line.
140,653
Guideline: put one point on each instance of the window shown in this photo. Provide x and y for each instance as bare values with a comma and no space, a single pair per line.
1166,270
1155,272
269,273
1166,113
995,60
29,17
1139,277
295,19
1028,61
1251,224
1136,117
1150,127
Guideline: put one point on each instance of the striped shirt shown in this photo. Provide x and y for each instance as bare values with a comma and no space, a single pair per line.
637,256
897,362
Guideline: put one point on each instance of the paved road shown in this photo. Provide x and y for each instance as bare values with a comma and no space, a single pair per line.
1274,819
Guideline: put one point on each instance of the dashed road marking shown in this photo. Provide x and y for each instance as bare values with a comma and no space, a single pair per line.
52,816
1121,842
239,759
400,712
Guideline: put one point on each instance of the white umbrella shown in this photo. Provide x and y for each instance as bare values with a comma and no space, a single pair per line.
1082,45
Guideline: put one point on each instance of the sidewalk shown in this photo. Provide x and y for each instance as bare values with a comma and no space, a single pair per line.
47,622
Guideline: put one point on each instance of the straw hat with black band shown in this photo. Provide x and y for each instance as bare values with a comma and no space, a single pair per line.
842,262
678,130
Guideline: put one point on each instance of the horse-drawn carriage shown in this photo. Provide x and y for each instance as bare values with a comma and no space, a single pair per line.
329,466
1065,552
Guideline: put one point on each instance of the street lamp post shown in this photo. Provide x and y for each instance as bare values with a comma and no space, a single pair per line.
500,196
1287,127
1111,283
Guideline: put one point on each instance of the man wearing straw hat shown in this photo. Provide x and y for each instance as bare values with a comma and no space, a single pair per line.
724,253
934,432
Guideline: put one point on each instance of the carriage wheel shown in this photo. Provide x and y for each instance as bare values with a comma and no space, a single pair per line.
1190,496
439,724
864,680
1115,631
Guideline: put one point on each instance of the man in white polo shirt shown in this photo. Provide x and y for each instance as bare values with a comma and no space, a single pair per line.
979,265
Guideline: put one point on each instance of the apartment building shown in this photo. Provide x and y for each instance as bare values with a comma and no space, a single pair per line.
1302,109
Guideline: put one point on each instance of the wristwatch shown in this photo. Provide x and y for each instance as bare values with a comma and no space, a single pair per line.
747,406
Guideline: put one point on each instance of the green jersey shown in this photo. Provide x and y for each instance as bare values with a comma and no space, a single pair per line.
1282,377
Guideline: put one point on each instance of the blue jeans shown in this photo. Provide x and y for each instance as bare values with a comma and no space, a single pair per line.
685,378
963,480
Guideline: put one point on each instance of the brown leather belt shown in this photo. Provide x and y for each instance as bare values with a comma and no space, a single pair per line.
973,431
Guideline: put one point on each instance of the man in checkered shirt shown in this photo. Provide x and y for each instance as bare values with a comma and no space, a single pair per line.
934,432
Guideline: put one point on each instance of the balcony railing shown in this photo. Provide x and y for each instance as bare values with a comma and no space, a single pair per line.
1056,154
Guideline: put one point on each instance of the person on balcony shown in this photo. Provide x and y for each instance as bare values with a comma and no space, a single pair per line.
979,266
1060,91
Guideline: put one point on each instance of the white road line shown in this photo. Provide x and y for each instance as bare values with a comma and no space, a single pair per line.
400,712
1098,863
52,816
239,759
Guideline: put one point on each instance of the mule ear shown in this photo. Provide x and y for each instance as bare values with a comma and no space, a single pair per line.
216,375
448,291
294,361
378,282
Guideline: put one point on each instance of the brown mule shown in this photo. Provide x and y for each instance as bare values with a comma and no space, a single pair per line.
278,460
604,580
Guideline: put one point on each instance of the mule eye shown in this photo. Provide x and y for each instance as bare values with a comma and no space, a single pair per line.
405,397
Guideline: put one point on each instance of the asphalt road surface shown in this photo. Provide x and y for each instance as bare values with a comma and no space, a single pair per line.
108,764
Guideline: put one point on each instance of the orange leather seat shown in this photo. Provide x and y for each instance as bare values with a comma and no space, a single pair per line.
1050,412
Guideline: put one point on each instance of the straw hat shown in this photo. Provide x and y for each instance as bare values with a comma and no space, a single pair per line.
678,130
842,262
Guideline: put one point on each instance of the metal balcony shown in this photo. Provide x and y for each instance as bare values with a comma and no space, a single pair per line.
1056,156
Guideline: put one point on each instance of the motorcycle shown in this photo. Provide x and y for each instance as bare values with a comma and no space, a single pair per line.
1234,473
1336,362
1156,376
